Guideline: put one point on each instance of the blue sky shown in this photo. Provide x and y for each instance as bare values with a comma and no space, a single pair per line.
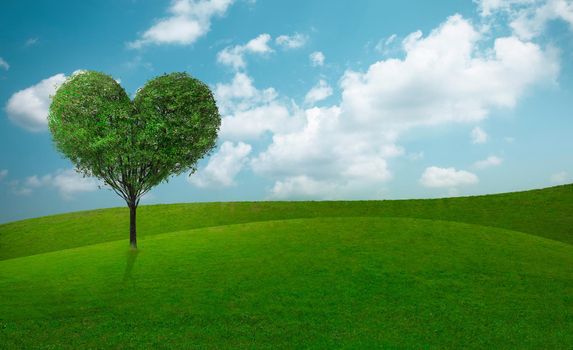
350,100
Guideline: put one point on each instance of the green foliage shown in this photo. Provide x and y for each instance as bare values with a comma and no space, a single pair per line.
88,120
133,146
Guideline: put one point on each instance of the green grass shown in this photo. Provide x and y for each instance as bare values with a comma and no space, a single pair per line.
546,213
296,275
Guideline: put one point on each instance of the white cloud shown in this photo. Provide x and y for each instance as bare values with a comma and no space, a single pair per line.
329,152
560,178
317,58
390,39
488,162
297,152
29,108
259,44
300,187
234,56
223,166
4,64
451,75
384,45
20,191
528,18
489,7
436,177
66,181
445,77
231,57
291,41
69,182
251,124
305,187
249,112
318,93
35,181
3,174
241,95
531,22
478,135
188,21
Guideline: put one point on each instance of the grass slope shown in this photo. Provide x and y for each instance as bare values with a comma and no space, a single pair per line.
355,282
545,213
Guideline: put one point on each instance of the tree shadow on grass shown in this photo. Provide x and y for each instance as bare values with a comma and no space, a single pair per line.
131,257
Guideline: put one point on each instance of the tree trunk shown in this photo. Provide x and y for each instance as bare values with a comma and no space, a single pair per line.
132,230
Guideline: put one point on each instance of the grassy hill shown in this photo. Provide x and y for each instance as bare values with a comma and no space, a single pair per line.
475,272
545,212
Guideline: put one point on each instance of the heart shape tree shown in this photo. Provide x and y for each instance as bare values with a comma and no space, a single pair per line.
132,146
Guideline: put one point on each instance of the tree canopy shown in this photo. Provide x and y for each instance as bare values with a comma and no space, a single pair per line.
132,146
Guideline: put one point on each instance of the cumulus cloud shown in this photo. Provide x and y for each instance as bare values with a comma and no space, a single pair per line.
317,58
301,187
66,181
223,166
249,112
560,178
69,182
28,108
478,135
445,77
3,174
529,23
253,123
490,7
241,94
528,18
233,56
328,153
188,20
259,44
435,177
318,93
4,64
451,75
489,162
448,76
294,41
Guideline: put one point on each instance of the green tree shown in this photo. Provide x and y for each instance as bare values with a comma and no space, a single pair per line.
132,146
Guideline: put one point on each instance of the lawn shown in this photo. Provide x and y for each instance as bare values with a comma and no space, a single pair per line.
476,272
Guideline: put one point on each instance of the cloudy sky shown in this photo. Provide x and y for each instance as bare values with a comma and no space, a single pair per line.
351,100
